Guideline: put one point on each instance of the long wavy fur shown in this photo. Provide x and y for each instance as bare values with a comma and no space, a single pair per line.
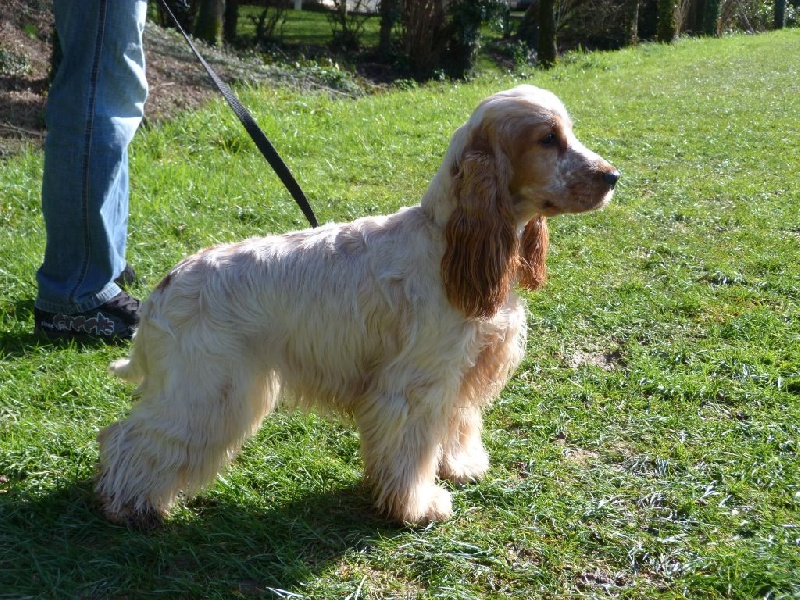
406,323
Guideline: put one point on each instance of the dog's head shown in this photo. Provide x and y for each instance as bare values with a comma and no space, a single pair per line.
514,163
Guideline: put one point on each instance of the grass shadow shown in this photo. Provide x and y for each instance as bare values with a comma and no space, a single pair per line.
17,343
57,544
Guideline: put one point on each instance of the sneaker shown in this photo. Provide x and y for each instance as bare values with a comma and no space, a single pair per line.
127,278
116,320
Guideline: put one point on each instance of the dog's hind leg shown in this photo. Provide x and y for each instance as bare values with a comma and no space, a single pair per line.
176,440
400,446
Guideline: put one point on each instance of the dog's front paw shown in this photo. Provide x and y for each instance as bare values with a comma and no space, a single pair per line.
432,504
440,506
464,467
143,519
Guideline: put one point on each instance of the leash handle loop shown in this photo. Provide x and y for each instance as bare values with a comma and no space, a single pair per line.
252,128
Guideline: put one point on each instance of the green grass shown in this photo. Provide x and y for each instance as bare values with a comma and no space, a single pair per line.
304,27
648,446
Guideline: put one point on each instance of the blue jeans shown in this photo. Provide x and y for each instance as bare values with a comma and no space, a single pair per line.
94,107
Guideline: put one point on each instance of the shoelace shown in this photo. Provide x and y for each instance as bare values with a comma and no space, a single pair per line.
124,302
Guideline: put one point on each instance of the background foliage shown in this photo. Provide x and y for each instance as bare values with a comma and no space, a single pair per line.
434,38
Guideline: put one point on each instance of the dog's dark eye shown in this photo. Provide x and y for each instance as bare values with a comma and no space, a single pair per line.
549,140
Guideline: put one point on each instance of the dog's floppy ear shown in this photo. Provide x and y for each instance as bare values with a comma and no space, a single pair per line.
480,260
532,271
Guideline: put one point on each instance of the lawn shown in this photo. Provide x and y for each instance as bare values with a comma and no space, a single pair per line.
647,447
307,27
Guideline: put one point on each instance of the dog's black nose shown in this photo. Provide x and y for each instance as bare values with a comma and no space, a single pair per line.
611,177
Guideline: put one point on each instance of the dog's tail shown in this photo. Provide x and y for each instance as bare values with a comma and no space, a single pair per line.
148,346
131,368
134,368
126,369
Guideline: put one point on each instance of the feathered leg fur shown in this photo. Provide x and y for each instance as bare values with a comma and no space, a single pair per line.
180,433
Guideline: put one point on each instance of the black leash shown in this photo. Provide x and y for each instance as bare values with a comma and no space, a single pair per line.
263,144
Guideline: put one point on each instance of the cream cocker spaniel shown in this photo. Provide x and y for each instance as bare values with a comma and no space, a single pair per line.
406,323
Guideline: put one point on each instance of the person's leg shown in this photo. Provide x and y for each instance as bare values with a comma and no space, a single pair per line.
93,109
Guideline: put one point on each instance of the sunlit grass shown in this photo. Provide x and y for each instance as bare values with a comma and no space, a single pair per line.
646,448
309,27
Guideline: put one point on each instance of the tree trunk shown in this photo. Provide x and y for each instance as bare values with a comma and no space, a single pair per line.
711,17
425,24
780,14
231,19
183,12
548,50
666,28
528,31
632,24
390,14
210,17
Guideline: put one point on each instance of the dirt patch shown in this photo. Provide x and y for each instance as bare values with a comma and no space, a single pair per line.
24,56
176,79
607,361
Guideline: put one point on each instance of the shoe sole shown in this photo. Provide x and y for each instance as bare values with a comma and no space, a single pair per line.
79,338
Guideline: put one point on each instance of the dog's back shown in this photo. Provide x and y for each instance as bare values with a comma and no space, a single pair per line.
336,302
